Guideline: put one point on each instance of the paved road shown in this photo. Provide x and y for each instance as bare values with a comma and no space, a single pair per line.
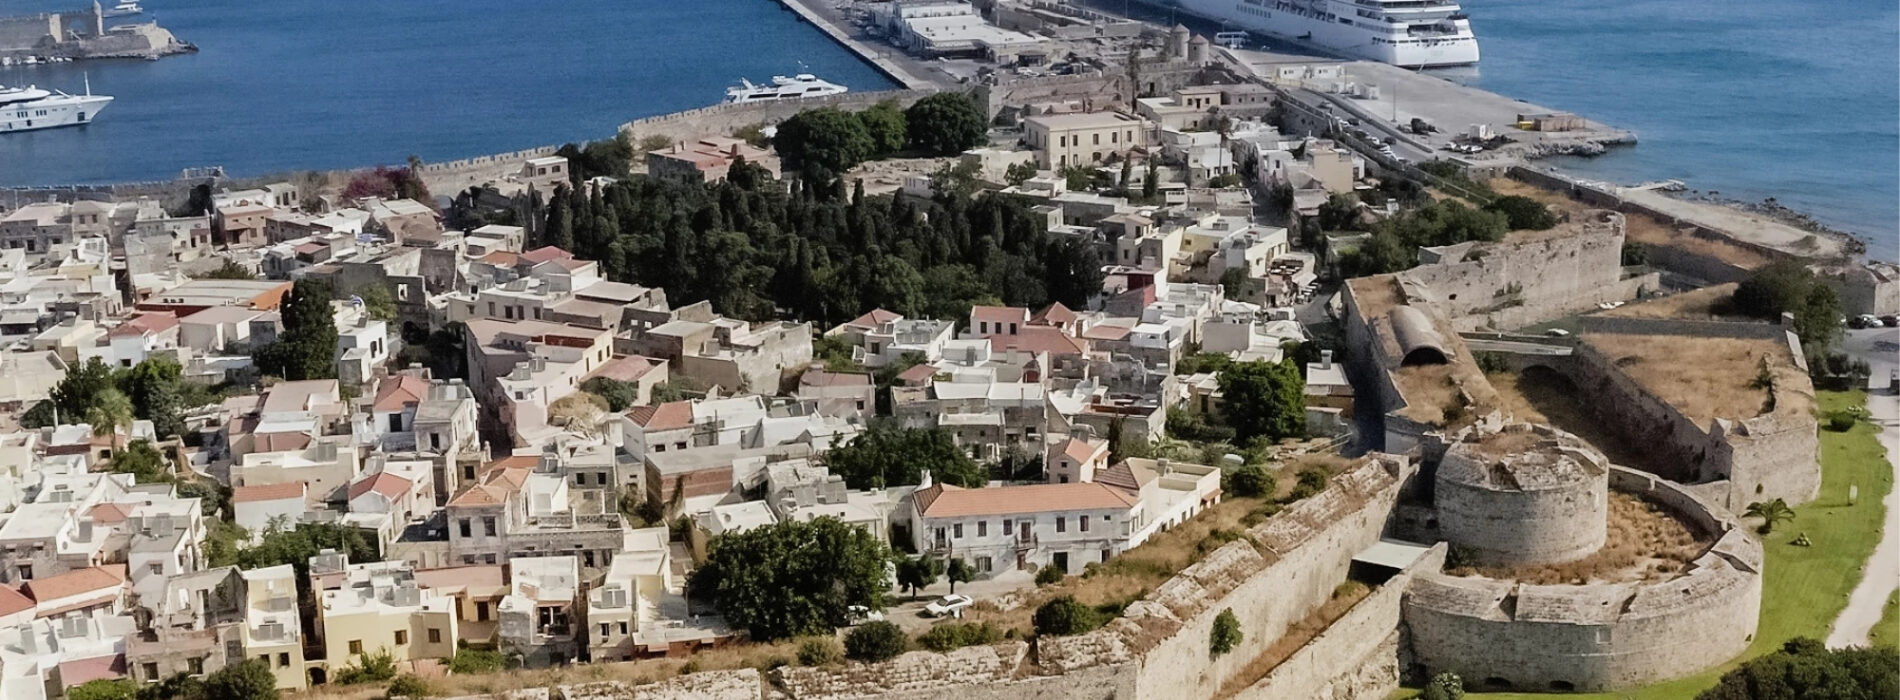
1517,347
1881,349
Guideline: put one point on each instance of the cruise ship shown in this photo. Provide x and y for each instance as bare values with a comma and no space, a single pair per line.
29,108
782,88
1409,33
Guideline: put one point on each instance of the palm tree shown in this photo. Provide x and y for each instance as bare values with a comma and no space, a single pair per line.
110,411
1771,513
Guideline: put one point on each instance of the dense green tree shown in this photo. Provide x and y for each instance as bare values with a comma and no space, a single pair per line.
887,455
958,571
824,142
1444,686
295,546
1788,286
793,578
249,679
1150,183
111,411
1063,616
1226,633
1263,399
1804,669
1340,212
1523,213
104,689
946,124
1018,173
950,636
378,301
306,349
1050,575
73,397
885,122
230,270
155,387
619,395
605,158
914,574
875,641
1249,481
144,462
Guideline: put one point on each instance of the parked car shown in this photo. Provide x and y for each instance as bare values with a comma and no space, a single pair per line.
1556,332
858,615
1890,321
948,605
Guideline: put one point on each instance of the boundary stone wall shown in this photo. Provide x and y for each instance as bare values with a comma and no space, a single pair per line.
723,119
1500,634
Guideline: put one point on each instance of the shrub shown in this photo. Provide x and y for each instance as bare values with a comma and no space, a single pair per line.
103,689
1312,481
1444,686
371,667
1049,575
1064,616
409,685
1226,634
875,641
1840,421
467,660
689,668
1251,481
956,635
819,651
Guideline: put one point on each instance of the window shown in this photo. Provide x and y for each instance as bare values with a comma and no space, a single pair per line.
402,637
1097,139
956,531
623,628
26,572
488,526
1085,523
982,528
464,524
356,646
605,630
435,635
151,671
1062,524
481,611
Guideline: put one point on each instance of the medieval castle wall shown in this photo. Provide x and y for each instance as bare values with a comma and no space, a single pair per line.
1547,504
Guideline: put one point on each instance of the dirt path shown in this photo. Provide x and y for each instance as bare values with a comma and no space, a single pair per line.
1882,574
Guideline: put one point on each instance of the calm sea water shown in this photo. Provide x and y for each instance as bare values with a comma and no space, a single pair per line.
1752,98
314,84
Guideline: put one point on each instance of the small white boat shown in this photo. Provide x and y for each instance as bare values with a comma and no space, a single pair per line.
799,86
125,8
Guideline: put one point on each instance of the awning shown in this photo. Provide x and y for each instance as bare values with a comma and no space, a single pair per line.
1391,554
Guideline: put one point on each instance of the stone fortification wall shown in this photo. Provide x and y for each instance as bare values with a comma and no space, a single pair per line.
489,161
21,33
723,119
1548,503
1683,327
1159,647
1530,276
1502,634
1104,90
1775,455
1358,654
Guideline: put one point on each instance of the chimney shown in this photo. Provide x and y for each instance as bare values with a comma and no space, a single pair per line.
1325,359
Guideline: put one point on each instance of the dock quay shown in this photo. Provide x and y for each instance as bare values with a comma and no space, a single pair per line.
905,70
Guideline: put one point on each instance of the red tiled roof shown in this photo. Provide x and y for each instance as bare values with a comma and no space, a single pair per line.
75,582
995,314
1047,339
626,368
503,476
874,317
385,483
145,323
916,376
572,264
819,377
1054,314
480,495
82,670
1080,449
310,247
1107,332
12,601
268,492
393,393
953,501
109,513
500,258
666,416
544,254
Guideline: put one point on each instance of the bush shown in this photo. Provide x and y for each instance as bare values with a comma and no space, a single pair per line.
1840,421
1444,686
246,680
1523,213
467,660
1048,575
1250,481
1064,616
819,651
1226,634
409,685
956,635
1804,668
1312,481
689,668
103,689
371,667
875,641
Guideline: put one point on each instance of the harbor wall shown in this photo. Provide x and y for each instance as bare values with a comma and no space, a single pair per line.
723,119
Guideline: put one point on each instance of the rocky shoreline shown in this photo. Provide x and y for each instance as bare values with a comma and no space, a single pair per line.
1773,209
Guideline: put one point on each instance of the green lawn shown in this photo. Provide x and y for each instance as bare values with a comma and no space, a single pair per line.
1884,632
1804,588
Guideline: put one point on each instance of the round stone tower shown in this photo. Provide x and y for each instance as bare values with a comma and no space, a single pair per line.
1197,50
1523,495
1178,42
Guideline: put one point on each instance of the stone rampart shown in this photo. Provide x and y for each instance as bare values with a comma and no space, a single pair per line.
1504,634
1544,502
1683,327
723,119
1531,275
1357,656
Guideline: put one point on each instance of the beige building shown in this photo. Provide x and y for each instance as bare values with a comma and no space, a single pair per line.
707,160
379,607
1063,140
273,631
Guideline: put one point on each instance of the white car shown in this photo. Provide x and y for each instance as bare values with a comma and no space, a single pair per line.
948,605
858,615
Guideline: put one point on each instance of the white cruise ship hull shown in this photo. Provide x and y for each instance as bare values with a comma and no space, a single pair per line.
51,113
1411,50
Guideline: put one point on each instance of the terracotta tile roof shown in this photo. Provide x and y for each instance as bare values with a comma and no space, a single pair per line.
385,483
1107,332
819,377
268,492
954,502
82,670
109,513
1047,339
572,264
480,495
512,462
666,416
12,601
393,393
1081,449
75,582
145,323
626,368
1119,476
995,314
917,376
500,480
545,254
872,318
1055,313
500,258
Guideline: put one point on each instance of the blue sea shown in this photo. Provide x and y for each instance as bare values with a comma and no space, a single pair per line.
284,85
1751,98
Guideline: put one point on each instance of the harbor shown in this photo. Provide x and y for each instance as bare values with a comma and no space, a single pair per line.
60,37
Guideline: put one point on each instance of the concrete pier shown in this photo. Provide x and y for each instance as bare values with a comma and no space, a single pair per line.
901,68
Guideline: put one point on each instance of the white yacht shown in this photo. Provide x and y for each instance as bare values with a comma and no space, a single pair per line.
125,8
28,108
1410,33
782,88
